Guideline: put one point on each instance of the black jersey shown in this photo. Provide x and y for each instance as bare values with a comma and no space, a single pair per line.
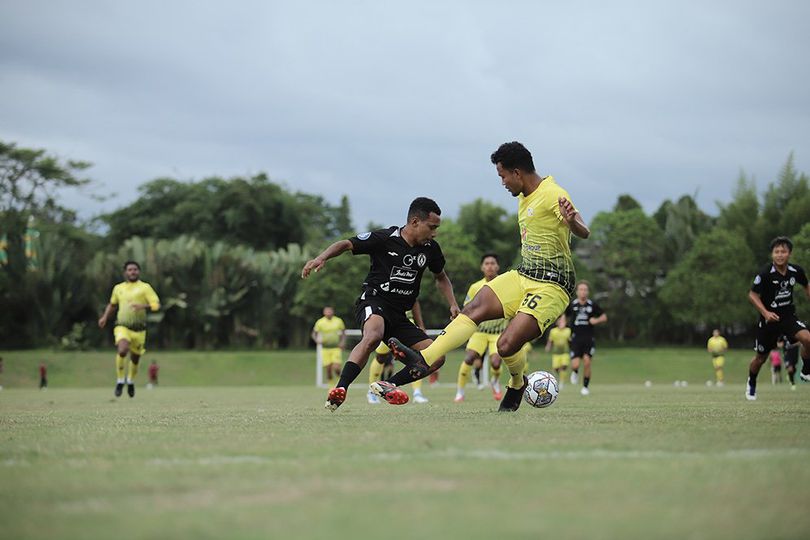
396,267
776,290
579,315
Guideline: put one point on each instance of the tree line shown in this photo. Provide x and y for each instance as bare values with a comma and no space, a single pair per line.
225,257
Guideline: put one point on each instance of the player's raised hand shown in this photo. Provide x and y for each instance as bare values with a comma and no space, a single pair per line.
312,266
567,210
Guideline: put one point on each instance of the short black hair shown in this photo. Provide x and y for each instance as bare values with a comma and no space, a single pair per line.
422,207
132,262
782,241
513,155
490,254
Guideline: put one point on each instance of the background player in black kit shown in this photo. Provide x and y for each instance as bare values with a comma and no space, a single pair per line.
399,257
772,295
584,314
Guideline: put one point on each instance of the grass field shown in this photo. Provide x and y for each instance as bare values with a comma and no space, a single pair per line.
269,462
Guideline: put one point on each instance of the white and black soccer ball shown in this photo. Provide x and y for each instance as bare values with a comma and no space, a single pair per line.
542,389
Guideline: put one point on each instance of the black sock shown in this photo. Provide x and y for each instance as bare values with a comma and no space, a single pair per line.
586,381
575,370
752,379
348,374
805,365
792,377
406,375
478,375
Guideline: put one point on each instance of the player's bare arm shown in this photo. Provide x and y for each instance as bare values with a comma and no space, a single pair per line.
417,315
573,218
601,319
769,316
332,251
109,310
446,287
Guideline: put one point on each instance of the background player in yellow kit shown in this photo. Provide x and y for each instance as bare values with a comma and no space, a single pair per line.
130,298
717,347
558,343
330,332
486,337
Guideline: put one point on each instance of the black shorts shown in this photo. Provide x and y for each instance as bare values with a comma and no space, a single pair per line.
396,323
769,333
581,347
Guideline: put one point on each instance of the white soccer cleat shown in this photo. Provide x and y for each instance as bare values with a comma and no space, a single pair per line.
805,378
792,387
585,391
419,398
574,377
372,398
720,384
750,393
481,386
459,397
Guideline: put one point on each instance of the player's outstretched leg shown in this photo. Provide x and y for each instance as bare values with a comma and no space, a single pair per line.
410,357
389,392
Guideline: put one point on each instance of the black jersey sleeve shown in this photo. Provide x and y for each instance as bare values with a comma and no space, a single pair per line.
436,262
801,276
758,286
368,242
597,310
569,312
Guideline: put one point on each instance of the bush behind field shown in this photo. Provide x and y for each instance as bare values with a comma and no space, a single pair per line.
297,367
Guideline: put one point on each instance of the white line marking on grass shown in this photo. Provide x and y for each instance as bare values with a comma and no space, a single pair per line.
209,460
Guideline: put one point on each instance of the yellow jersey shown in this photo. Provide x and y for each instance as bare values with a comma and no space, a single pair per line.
559,338
495,326
717,345
330,330
545,237
133,292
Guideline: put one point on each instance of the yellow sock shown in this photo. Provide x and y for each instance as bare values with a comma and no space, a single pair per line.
417,386
133,370
719,375
516,365
120,364
375,371
454,336
464,374
494,374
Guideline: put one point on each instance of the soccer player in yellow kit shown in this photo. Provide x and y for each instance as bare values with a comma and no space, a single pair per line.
485,338
558,343
130,298
717,346
330,333
534,295
377,365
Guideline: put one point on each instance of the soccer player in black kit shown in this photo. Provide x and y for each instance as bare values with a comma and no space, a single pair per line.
399,257
772,295
584,314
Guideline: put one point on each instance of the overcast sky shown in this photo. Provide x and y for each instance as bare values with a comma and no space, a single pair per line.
386,101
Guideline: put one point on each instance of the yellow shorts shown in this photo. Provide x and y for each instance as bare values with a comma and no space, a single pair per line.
332,355
137,340
481,342
518,294
382,349
559,360
718,361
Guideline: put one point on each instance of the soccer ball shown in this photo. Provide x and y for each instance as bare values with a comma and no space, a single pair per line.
542,389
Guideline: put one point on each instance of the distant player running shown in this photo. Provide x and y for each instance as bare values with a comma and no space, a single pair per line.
330,333
559,339
772,295
131,298
535,294
717,347
399,257
485,338
791,354
584,314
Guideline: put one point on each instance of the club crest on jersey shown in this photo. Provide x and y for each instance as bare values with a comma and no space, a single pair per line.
530,211
364,236
421,259
403,275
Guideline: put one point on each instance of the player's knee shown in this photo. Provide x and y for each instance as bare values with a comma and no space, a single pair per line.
508,346
123,349
135,359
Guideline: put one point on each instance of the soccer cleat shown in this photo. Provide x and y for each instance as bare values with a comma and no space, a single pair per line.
585,391
496,390
803,377
419,398
459,398
119,389
131,389
750,392
793,387
389,392
335,398
410,357
481,386
372,398
574,377
513,397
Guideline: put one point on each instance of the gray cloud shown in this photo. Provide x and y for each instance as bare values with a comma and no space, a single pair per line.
385,101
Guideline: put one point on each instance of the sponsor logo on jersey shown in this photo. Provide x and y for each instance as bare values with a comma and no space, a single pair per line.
404,275
385,286
393,253
407,260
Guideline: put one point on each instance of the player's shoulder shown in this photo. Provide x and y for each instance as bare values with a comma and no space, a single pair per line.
796,268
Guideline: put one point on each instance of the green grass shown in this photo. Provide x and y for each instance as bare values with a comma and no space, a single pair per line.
270,462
